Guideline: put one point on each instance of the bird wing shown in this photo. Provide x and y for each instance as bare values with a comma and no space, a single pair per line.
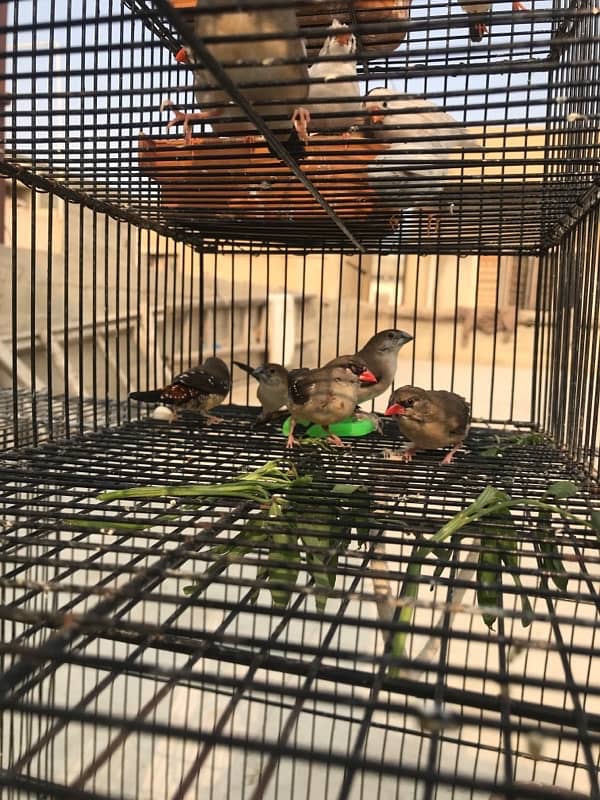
301,384
427,118
203,380
457,411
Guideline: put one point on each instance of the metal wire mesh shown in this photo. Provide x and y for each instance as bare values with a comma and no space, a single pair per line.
124,686
131,252
87,84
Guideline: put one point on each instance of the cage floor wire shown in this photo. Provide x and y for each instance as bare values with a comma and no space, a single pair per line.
117,682
40,417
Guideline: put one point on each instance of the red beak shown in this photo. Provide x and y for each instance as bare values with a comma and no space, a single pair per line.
181,56
395,409
367,377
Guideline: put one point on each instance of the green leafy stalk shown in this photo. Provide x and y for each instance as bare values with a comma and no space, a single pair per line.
296,539
107,525
490,503
548,556
503,443
488,582
257,485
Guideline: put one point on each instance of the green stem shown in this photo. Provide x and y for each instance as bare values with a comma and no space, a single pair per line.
487,504
238,489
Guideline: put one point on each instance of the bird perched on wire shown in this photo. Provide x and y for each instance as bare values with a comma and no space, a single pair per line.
423,141
477,29
380,354
267,68
429,419
272,388
197,389
326,395
335,90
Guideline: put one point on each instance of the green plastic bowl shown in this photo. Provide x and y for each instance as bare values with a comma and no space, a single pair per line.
347,427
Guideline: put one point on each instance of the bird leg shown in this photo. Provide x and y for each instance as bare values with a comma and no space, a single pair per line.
447,459
291,441
335,440
395,221
400,455
433,223
212,420
301,120
408,453
180,118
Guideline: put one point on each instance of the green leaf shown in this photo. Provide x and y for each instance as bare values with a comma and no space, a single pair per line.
501,524
595,520
107,525
549,557
347,488
562,489
322,578
443,553
526,609
488,580
284,570
261,575
490,452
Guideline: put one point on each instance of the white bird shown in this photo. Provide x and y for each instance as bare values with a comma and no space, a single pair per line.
330,96
477,30
260,67
423,141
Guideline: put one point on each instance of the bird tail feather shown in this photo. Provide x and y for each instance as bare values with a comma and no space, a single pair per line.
152,396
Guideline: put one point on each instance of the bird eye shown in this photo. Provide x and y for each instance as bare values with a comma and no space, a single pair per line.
408,403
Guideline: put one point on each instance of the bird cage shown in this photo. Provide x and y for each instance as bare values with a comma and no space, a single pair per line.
191,609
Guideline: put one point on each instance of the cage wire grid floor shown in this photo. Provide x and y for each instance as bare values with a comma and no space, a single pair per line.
116,683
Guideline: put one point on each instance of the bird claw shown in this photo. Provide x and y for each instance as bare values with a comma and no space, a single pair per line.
212,420
399,455
433,224
449,457
392,455
291,442
395,222
335,440
516,6
178,118
166,103
301,120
